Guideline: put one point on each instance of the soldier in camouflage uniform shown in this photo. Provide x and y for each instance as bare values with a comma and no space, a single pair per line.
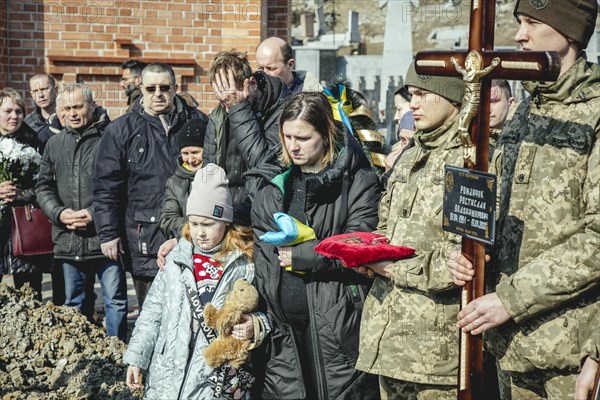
547,257
408,330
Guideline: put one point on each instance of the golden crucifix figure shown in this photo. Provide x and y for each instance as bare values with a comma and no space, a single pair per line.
472,74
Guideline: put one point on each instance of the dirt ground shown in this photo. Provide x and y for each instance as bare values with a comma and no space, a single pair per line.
49,352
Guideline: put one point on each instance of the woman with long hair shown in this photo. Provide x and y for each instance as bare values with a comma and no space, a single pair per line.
313,303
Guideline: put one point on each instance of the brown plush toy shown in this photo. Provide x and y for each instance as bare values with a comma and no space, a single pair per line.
242,299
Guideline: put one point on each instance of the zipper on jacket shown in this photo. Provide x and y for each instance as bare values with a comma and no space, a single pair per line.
285,324
291,333
321,386
305,200
192,344
195,338
139,232
188,362
286,327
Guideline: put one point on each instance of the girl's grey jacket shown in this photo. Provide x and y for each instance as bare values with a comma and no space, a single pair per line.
162,337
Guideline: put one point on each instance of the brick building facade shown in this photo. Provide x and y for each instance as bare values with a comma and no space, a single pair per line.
87,40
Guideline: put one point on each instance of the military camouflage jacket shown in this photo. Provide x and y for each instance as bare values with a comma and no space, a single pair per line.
408,329
591,330
548,242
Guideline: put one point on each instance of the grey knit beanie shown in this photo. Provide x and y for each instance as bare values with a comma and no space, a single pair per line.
210,196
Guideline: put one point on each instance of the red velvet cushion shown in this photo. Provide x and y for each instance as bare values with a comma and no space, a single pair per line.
359,248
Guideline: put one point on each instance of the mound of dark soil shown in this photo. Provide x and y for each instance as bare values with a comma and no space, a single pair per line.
49,352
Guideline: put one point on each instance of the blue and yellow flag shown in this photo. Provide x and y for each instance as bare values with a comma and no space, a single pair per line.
292,231
341,106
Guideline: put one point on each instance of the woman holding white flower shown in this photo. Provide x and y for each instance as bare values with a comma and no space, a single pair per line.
12,112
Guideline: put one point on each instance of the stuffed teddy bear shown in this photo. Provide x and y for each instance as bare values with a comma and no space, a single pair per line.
242,299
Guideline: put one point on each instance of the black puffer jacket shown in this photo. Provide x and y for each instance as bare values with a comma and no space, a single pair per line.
249,133
65,181
35,120
137,154
172,216
342,198
41,126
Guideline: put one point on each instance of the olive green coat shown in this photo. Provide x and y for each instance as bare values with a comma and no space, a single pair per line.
408,329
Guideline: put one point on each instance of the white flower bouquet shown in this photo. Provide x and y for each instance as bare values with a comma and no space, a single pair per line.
19,163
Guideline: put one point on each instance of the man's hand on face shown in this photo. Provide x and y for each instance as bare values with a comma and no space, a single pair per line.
227,91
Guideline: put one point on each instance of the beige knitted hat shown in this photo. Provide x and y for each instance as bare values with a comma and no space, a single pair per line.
210,196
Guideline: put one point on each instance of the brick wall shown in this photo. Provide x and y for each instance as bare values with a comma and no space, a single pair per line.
87,40
3,46
278,21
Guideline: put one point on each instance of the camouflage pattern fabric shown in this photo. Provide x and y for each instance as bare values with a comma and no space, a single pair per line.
408,328
547,256
539,385
494,135
392,389
591,331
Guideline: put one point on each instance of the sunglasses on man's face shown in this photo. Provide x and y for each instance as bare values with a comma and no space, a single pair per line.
163,88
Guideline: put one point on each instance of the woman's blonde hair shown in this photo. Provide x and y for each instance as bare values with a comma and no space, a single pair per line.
315,109
237,238
14,96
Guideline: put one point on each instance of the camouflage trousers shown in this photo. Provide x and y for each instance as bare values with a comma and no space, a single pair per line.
393,389
534,385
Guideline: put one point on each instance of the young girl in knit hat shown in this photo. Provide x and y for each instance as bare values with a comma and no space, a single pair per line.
168,341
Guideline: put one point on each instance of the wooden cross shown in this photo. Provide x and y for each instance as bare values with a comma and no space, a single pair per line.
478,66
